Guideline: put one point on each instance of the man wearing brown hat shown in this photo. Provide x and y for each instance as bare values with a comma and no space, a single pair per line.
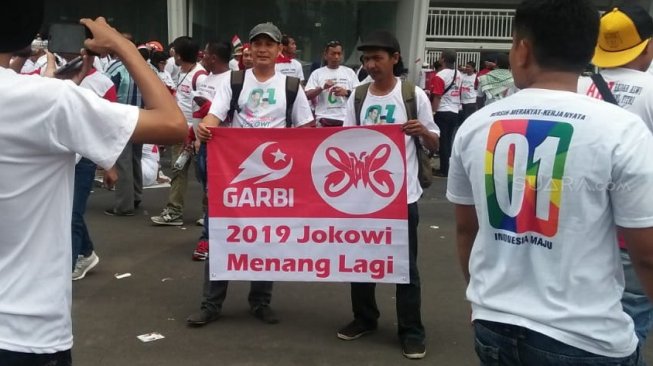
624,51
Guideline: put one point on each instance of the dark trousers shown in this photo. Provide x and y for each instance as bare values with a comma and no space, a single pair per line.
447,122
129,187
9,358
468,110
511,345
409,298
84,176
260,293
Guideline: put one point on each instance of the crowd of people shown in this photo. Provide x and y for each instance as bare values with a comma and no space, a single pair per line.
558,271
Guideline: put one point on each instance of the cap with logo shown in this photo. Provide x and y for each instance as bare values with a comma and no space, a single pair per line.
268,29
623,35
380,39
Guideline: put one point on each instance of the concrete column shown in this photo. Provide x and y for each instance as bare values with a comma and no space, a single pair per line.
177,19
411,32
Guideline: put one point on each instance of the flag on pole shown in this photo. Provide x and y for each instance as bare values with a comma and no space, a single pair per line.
237,45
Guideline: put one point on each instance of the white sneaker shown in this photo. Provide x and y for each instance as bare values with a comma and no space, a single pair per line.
200,222
84,264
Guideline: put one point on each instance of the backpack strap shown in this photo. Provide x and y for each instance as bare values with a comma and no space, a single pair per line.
292,88
196,76
410,101
237,81
359,98
604,89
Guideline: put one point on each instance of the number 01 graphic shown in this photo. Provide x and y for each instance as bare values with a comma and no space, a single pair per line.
524,169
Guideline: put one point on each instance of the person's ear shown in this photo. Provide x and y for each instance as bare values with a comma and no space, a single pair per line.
395,58
522,53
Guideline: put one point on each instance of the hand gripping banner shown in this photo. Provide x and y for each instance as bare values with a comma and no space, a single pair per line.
308,204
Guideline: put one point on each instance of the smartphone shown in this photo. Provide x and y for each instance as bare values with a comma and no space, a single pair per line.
73,64
67,38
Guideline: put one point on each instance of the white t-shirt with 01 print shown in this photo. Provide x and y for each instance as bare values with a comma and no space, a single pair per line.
390,109
551,174
43,124
328,104
262,104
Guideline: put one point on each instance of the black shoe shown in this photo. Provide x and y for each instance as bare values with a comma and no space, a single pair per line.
137,203
413,351
441,174
201,318
265,314
113,212
355,330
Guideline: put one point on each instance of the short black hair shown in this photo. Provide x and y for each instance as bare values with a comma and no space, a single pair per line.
187,48
19,24
222,50
563,32
285,39
472,64
158,56
449,57
145,53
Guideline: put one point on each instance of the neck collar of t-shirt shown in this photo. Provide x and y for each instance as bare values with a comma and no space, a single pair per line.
394,89
91,71
621,70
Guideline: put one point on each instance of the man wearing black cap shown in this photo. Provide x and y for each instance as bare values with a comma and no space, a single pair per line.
43,124
263,106
541,181
625,51
382,60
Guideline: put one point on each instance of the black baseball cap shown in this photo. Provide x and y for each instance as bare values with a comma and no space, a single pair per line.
19,24
380,39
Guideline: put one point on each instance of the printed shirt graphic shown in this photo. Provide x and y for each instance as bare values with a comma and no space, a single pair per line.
329,105
261,104
467,89
390,109
450,101
556,172
633,90
292,68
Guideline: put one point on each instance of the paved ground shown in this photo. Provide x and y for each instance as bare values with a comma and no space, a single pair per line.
165,287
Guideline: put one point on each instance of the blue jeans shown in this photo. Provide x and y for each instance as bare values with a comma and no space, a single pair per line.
634,300
511,345
408,296
84,176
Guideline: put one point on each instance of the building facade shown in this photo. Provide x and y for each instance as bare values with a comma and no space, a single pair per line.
424,28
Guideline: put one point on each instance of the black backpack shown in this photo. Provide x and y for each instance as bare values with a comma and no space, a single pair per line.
424,171
237,81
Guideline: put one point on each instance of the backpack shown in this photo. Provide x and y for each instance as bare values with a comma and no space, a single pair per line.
237,81
424,170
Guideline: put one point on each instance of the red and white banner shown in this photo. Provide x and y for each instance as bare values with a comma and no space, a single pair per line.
307,204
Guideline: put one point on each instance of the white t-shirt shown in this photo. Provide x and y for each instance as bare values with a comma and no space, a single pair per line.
100,84
262,104
467,90
449,101
43,123
233,65
329,105
633,90
547,259
172,68
292,68
390,109
206,90
185,86
150,164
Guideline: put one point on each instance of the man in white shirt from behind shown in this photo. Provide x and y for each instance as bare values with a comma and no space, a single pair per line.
541,180
39,154
332,85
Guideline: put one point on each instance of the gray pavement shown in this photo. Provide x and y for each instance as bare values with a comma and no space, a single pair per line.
165,287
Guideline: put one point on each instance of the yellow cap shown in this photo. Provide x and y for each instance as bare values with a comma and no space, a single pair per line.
620,41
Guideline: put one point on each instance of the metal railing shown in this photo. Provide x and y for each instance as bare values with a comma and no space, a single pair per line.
470,24
461,57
